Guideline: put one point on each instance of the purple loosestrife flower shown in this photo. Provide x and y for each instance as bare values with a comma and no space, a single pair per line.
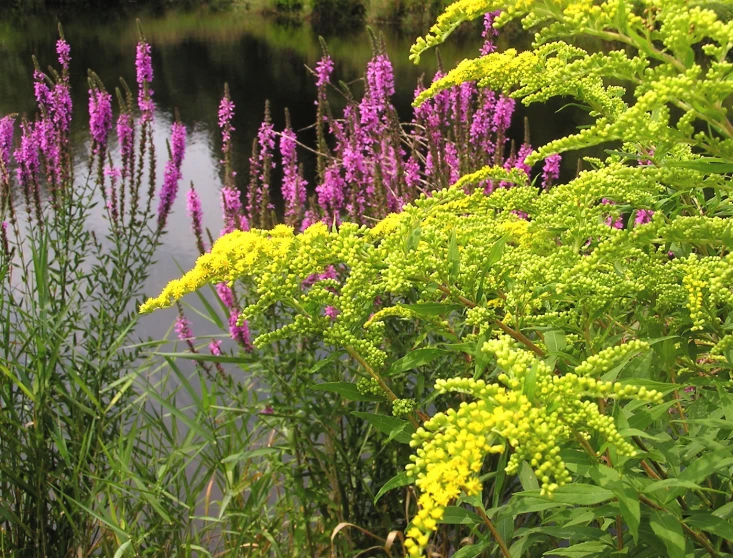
331,192
194,211
63,50
524,151
41,90
61,105
293,184
551,170
26,155
643,216
183,328
172,174
240,333
215,347
50,144
503,111
178,143
324,69
226,295
144,66
100,118
232,208
489,33
452,162
226,113
331,312
616,224
7,128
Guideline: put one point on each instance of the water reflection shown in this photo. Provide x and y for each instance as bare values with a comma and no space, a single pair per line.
194,54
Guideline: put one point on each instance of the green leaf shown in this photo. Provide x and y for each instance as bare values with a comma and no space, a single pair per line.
581,550
471,551
455,515
347,390
703,467
413,359
432,308
398,480
671,483
708,164
712,524
555,341
389,425
454,258
250,454
582,494
667,528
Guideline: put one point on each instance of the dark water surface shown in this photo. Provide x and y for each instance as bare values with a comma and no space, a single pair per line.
194,54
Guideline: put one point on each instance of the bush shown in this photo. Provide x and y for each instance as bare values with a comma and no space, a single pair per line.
337,16
581,335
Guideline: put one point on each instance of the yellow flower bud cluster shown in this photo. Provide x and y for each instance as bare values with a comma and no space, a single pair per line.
535,414
606,359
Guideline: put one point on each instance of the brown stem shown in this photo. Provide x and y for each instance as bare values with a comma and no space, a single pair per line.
495,533
517,335
619,533
390,394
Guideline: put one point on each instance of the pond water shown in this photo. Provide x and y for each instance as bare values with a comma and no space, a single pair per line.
194,55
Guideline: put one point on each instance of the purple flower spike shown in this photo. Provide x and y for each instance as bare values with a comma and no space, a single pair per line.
7,128
100,118
503,111
489,33
324,69
194,211
293,184
215,347
183,328
172,174
225,294
144,66
239,333
63,50
226,113
551,170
